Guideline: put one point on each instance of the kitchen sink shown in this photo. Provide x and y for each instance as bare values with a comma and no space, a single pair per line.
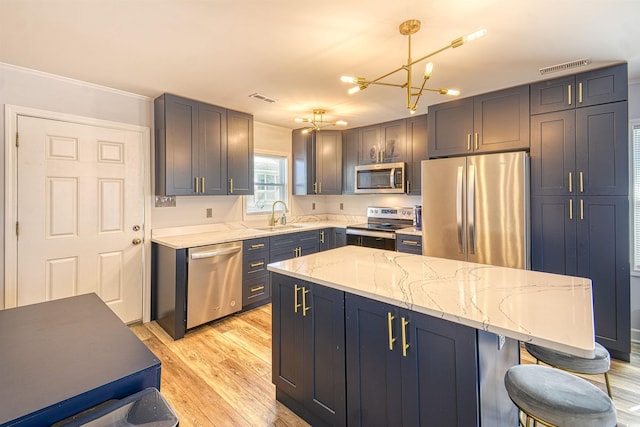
278,227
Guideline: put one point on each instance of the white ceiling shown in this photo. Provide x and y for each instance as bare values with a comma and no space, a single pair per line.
220,51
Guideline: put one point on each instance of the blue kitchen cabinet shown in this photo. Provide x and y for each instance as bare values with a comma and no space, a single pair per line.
317,162
491,122
256,289
291,245
409,243
593,87
407,368
589,237
309,350
327,239
579,191
340,237
417,147
580,152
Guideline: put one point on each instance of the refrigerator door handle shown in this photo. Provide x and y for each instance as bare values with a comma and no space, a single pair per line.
459,209
471,209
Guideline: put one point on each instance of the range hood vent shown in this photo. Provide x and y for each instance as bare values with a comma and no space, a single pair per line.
565,66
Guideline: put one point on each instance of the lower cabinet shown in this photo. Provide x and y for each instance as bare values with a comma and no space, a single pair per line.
340,236
291,245
341,359
406,368
327,239
256,289
589,237
309,350
409,243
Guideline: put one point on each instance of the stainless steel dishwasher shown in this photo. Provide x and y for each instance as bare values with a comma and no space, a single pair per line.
214,286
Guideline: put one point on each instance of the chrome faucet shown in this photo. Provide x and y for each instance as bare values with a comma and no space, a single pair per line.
274,221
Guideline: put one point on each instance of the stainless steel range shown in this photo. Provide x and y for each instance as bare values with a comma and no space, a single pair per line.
380,229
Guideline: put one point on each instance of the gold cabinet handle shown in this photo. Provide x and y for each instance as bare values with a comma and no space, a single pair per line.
468,142
256,288
569,93
322,237
230,185
203,187
405,346
296,306
315,187
197,184
570,182
580,93
408,186
581,209
390,318
304,301
320,187
257,264
257,245
570,208
477,137
410,242
581,182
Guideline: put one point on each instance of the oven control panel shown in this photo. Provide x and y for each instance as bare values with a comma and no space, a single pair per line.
390,213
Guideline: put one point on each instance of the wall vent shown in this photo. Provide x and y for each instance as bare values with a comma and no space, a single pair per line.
261,97
565,66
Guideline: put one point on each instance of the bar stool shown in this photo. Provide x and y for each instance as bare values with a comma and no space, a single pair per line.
600,364
557,398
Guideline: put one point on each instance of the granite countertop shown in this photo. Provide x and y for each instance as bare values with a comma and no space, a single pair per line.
192,236
546,309
410,231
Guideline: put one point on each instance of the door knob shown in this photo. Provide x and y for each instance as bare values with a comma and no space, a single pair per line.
136,228
136,241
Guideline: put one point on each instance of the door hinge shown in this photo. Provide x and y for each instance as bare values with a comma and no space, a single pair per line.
17,228
17,139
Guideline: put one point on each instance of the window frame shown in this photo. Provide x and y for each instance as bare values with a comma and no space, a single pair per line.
256,216
634,195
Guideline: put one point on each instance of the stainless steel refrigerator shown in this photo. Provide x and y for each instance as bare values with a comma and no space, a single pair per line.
476,209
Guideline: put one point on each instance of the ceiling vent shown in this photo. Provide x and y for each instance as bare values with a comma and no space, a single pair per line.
565,66
261,97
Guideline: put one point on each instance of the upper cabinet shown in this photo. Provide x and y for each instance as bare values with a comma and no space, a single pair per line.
383,143
496,121
201,149
317,162
416,152
239,153
349,160
590,88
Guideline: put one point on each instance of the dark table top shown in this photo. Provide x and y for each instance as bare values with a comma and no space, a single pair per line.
54,351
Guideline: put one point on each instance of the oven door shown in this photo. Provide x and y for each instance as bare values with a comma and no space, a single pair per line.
378,242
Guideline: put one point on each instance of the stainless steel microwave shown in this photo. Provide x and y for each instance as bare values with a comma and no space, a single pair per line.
381,178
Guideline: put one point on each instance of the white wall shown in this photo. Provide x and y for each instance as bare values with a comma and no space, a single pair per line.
634,114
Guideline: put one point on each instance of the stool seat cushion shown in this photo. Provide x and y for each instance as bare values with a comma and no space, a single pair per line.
558,397
598,365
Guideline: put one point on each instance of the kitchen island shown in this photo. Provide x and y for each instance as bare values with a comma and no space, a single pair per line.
403,338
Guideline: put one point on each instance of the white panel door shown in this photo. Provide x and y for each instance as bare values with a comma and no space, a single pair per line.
80,214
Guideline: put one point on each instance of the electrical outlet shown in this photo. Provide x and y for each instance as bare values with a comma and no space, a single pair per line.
341,206
313,206
209,212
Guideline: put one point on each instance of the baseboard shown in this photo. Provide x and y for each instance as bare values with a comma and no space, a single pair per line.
635,336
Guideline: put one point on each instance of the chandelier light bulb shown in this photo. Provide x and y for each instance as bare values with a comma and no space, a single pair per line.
349,79
354,90
428,70
474,35
452,92
341,123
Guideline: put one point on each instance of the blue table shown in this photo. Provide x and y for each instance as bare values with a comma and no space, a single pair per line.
62,357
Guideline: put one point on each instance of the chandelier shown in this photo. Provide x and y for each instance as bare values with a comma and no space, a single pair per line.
317,121
407,28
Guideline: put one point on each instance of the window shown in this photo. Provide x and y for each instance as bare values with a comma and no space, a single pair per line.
635,198
270,183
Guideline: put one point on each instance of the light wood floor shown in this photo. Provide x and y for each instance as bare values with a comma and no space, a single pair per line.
220,374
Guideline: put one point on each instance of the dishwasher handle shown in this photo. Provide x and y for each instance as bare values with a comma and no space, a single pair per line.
215,253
